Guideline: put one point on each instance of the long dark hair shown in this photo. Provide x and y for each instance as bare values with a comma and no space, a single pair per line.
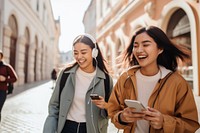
171,52
87,40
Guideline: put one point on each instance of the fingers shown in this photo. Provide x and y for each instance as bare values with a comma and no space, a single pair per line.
154,117
130,116
155,125
151,113
100,103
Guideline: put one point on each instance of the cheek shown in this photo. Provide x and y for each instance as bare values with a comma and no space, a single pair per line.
90,58
134,53
75,57
154,54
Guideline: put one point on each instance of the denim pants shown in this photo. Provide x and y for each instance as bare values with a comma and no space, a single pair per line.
74,127
2,100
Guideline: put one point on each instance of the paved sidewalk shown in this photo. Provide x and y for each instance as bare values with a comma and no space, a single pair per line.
26,109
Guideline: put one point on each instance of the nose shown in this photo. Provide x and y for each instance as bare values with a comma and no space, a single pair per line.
76,55
79,55
140,49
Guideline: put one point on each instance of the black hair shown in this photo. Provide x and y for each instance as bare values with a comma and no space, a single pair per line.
100,60
171,52
1,53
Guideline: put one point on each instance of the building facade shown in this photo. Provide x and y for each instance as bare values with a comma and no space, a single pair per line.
117,20
89,19
29,37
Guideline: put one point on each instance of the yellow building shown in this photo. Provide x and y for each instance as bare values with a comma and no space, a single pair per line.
116,21
29,38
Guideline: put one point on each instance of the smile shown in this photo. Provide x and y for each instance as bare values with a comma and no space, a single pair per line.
142,56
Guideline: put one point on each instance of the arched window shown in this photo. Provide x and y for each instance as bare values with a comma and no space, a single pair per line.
178,30
35,58
27,44
13,40
42,56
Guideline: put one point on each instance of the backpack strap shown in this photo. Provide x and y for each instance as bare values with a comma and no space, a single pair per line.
62,82
107,87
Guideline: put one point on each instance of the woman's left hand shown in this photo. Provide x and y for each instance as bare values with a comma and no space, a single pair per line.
100,103
154,117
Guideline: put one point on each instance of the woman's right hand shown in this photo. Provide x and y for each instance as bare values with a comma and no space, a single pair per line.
2,78
129,115
100,103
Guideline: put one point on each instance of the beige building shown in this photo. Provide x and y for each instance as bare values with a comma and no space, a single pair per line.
116,21
29,37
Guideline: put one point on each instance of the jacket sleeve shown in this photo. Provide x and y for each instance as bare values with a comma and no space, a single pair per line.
51,122
185,119
116,104
12,76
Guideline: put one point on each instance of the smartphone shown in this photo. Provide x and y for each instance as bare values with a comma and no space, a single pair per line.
135,104
94,96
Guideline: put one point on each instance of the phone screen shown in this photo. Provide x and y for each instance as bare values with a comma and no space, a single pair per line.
94,96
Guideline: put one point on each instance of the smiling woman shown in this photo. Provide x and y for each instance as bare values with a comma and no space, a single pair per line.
71,13
86,76
154,81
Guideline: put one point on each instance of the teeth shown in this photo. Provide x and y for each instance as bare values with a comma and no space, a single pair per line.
81,61
141,56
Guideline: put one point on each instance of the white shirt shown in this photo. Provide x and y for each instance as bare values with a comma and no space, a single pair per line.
145,86
82,83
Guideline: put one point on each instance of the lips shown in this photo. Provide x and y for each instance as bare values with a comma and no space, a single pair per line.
81,61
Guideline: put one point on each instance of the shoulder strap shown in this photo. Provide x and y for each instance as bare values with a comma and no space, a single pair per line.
62,82
107,87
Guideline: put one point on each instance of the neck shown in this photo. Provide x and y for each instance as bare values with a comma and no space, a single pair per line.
150,71
89,70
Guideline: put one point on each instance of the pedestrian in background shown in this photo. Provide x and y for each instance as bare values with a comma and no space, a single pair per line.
71,110
53,77
155,82
7,75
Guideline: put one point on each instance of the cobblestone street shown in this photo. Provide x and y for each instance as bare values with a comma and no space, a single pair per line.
26,109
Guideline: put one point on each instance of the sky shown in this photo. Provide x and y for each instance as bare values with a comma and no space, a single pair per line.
71,14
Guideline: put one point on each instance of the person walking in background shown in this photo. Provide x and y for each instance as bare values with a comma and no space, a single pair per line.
7,75
155,82
53,77
71,109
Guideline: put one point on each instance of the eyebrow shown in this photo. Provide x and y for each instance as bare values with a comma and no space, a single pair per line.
82,50
143,41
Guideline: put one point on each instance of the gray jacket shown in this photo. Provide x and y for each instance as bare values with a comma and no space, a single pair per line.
58,112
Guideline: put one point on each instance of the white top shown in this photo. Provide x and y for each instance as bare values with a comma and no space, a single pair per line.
145,86
77,110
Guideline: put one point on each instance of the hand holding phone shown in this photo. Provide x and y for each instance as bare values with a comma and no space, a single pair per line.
135,104
94,96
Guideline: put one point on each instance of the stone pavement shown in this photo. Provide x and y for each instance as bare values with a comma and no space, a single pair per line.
26,109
